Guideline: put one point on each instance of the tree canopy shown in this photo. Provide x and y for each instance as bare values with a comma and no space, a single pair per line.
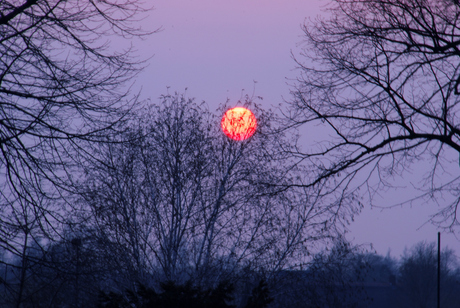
382,77
63,88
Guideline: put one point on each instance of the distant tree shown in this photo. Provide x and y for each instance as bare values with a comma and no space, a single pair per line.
382,77
61,91
183,201
260,296
65,273
418,277
334,278
379,269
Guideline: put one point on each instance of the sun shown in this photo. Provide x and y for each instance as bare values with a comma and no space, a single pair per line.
239,123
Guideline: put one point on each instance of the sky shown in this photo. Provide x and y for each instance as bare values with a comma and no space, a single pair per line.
221,50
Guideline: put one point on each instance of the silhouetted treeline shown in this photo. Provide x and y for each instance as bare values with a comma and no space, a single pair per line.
72,275
345,277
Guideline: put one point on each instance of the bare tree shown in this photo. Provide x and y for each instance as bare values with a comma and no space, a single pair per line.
334,278
382,77
417,277
61,90
189,203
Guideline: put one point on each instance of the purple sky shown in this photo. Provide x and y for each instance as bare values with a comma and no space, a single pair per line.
217,48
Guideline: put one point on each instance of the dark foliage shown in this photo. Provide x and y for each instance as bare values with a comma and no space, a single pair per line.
417,279
171,295
260,296
334,278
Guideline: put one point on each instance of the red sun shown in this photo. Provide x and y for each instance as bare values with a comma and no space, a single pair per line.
239,123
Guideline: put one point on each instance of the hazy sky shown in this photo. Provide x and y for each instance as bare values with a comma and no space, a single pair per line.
218,48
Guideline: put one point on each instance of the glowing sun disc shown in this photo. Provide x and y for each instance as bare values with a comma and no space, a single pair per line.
239,123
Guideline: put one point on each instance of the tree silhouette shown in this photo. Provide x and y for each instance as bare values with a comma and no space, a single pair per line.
334,278
171,295
185,202
418,277
260,296
382,77
61,91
